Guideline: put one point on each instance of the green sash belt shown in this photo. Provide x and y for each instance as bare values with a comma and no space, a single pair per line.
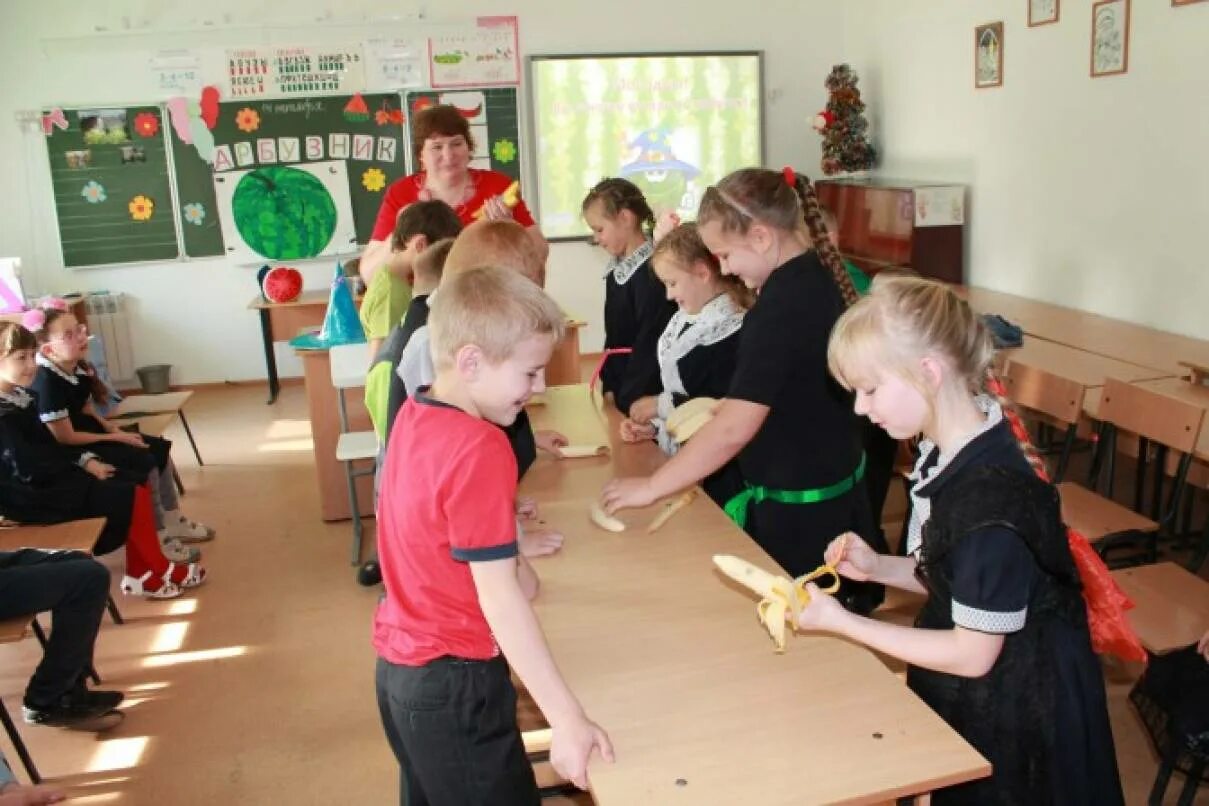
736,507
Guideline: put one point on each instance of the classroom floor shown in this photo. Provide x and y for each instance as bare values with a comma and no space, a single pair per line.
257,688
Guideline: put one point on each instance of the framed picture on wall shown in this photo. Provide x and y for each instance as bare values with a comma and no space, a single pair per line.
988,55
1109,37
1042,12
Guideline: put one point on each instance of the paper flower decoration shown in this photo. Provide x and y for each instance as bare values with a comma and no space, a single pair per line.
247,119
195,213
93,192
141,208
146,124
373,179
504,151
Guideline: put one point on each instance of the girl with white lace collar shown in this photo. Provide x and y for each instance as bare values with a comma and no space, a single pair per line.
68,391
1002,647
698,348
636,309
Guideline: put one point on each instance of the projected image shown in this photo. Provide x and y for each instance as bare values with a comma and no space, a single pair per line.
673,125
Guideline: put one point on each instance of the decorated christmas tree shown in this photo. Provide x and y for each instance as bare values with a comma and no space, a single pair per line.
843,126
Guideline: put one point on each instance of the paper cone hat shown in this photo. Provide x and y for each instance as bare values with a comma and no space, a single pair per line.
341,324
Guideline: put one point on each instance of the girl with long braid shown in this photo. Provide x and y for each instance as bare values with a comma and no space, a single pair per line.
789,423
1003,647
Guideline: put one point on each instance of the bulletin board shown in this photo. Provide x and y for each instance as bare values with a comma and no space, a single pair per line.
111,186
494,124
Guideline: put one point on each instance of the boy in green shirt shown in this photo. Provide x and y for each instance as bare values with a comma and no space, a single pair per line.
860,280
388,294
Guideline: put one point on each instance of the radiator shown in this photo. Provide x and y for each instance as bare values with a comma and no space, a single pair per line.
109,323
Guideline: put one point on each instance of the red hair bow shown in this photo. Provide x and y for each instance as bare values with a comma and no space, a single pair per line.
791,178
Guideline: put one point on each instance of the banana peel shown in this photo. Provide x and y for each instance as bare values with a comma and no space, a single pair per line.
671,508
779,596
511,197
604,520
689,417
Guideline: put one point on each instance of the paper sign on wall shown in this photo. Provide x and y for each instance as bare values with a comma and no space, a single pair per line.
488,55
265,72
177,72
939,206
392,64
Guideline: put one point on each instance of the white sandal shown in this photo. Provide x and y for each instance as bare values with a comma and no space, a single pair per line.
178,552
189,531
133,586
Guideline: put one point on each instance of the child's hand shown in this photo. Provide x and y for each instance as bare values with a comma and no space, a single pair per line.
665,223
550,442
538,541
526,508
644,409
494,209
1203,646
571,746
16,795
128,438
822,612
852,557
99,469
636,432
625,493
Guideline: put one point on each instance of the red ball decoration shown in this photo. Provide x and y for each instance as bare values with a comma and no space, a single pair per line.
282,284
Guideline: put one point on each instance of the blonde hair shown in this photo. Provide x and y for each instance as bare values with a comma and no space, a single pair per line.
783,200
493,308
905,318
496,243
14,337
430,264
683,246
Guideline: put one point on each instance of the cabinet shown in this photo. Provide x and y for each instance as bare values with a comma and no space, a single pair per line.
891,223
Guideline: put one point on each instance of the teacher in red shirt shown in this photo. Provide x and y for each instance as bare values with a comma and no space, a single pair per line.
444,146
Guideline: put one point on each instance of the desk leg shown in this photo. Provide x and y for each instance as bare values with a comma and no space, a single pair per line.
270,360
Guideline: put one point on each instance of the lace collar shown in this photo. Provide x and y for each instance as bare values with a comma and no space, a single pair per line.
717,319
73,379
623,268
19,397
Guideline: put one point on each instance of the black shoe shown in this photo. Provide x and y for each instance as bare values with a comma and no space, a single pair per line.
73,710
369,574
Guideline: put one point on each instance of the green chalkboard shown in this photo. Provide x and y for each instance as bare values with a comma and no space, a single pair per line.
271,141
113,199
494,123
201,231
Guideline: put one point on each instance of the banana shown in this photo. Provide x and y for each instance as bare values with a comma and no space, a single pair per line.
779,596
688,418
602,519
580,451
671,508
511,197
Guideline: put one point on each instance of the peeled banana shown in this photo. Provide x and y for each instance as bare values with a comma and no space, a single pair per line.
779,595
689,417
511,196
580,451
604,520
671,508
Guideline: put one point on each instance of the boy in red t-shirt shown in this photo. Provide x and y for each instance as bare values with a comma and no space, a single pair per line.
455,582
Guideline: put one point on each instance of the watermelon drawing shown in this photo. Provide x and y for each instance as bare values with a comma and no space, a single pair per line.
284,213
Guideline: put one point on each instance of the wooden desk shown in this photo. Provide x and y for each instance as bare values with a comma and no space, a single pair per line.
1172,605
70,536
1189,393
670,659
282,321
1136,344
136,407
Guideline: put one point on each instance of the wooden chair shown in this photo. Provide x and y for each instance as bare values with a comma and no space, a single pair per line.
11,631
1168,424
349,365
1049,399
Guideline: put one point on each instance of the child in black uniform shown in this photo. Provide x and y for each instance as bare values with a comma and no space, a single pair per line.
789,423
636,308
1001,649
67,388
699,347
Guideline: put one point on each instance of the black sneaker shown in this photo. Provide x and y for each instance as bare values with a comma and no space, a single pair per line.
369,574
73,710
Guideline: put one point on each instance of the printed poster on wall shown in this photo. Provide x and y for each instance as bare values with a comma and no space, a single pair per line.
176,72
393,64
273,72
488,55
939,206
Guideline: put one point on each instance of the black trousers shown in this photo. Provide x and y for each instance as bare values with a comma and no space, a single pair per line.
452,725
73,587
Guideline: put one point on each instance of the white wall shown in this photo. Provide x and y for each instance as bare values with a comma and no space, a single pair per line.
1092,193
193,314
